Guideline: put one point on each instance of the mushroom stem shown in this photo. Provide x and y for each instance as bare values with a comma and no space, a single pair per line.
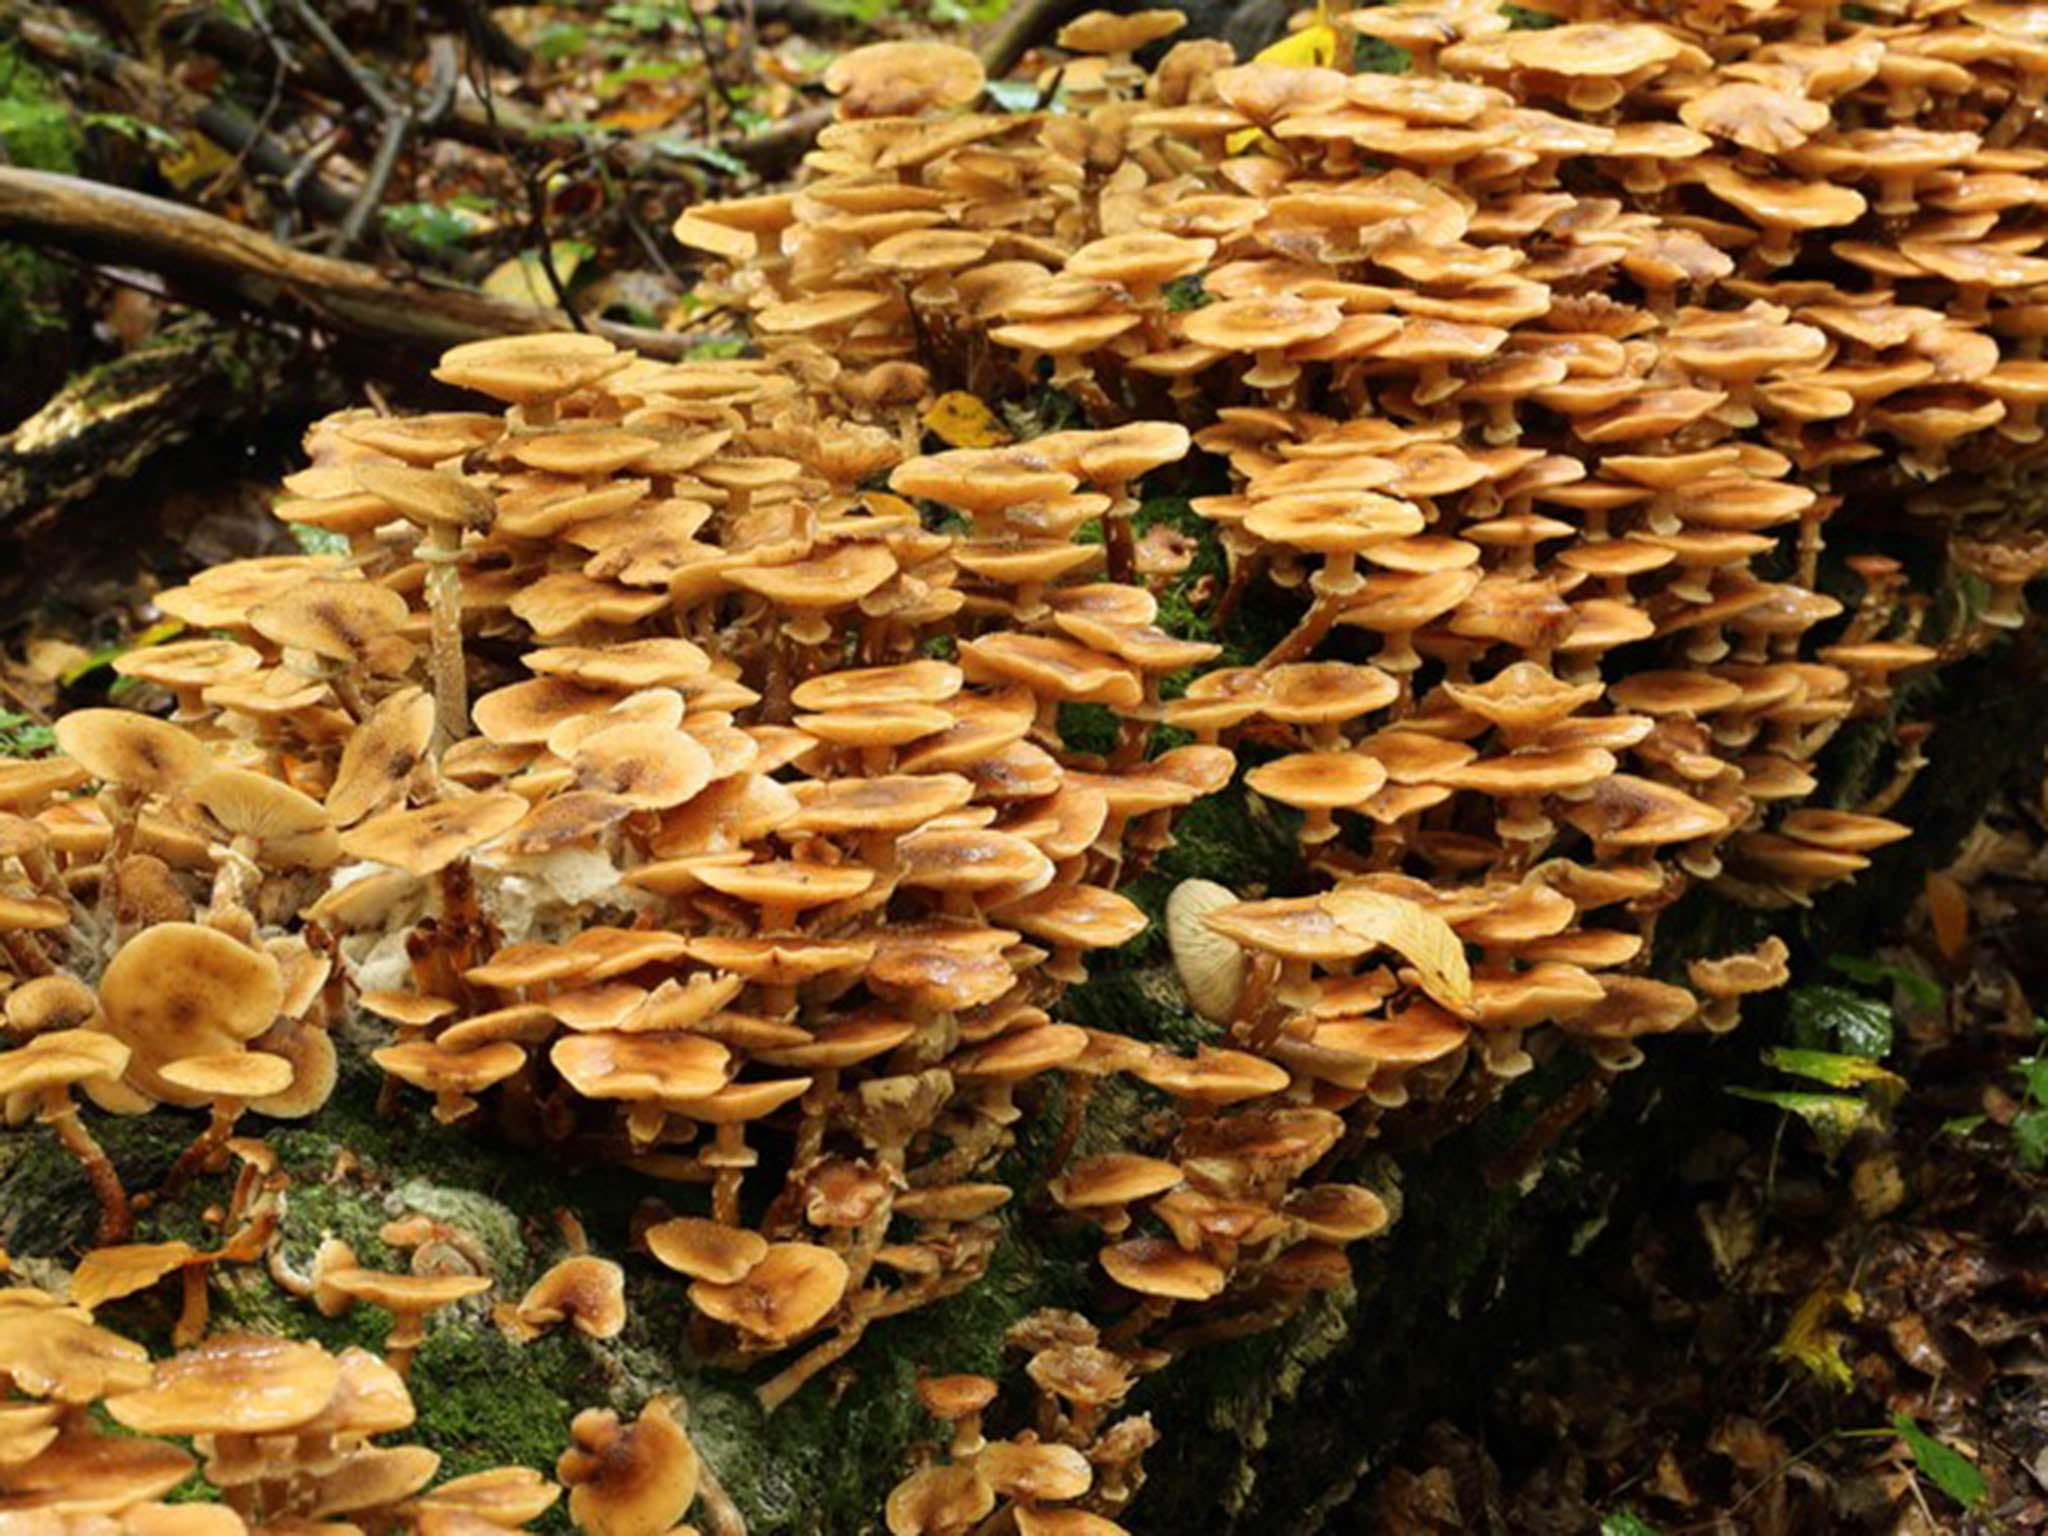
721,1517
199,1156
441,549
125,818
61,1115
786,1383
1080,1089
192,1314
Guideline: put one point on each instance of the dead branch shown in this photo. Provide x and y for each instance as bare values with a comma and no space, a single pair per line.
224,266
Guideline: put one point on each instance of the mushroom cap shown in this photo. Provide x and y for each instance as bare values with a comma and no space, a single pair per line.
789,1292
290,828
635,1480
49,1002
1035,1471
352,622
381,755
706,1250
232,1384
180,989
405,1295
938,1501
587,1291
904,79
524,370
1111,32
230,1074
430,838
1212,1076
84,1474
1337,1213
1113,1179
610,1065
1151,1266
1210,964
61,1059
55,1353
118,746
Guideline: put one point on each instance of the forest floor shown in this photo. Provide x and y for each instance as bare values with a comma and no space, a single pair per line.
1827,1315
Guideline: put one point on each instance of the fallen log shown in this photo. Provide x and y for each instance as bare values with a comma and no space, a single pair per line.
222,266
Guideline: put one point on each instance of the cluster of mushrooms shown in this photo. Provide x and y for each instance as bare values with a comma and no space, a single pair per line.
287,1435
675,766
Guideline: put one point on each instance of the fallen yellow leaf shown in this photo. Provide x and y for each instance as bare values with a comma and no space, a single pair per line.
961,420
1414,933
523,280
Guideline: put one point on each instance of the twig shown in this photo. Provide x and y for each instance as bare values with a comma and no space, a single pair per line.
1021,30
711,69
366,84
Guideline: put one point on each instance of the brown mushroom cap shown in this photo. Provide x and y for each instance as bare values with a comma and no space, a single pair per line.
789,1292
1035,1471
232,1384
84,1474
937,1500
633,1480
55,1353
432,837
1153,1267
586,1291
706,1250
178,990
134,751
904,79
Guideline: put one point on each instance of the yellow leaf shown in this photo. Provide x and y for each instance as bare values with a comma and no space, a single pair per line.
961,420
199,160
523,280
1811,1344
1316,43
1414,933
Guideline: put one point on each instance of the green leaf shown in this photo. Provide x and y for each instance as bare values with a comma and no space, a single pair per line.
559,40
2030,1138
1964,1126
1836,1070
1947,1468
1835,1018
1832,1117
21,736
700,153
1627,1523
1920,989
2034,1073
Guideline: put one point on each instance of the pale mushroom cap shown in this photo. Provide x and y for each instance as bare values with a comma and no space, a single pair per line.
1209,964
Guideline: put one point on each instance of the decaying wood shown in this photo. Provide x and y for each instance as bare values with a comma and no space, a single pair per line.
108,422
221,265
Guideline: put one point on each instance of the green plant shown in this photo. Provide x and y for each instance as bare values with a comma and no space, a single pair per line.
1839,1036
23,736
1943,1465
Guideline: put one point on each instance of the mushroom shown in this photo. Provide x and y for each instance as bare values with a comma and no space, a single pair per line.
44,1071
588,1293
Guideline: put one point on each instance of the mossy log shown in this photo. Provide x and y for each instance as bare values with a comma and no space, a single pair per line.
1269,1433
